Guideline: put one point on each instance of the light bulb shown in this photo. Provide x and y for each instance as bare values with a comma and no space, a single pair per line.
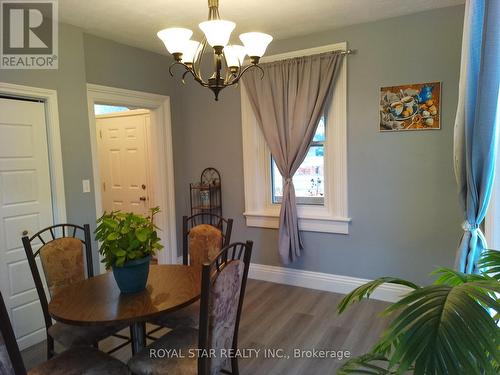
235,55
255,43
175,38
190,51
217,32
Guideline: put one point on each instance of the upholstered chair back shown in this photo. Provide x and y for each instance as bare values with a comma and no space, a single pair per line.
203,236
204,243
62,262
11,362
223,289
223,309
64,253
6,367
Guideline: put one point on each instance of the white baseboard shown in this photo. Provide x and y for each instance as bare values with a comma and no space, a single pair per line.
323,281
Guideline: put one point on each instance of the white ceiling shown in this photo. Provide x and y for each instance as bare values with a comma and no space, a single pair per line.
135,22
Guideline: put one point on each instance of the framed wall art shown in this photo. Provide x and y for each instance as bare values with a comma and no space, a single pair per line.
410,107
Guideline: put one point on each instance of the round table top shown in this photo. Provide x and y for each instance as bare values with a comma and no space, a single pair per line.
98,301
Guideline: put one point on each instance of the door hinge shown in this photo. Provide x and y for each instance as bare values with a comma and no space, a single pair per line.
104,186
100,134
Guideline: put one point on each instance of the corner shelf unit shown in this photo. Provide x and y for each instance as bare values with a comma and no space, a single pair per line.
206,196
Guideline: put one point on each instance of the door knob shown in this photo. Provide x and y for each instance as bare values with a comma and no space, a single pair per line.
143,199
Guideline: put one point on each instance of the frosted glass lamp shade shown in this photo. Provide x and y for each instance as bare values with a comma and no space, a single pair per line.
255,43
190,51
235,55
217,32
175,38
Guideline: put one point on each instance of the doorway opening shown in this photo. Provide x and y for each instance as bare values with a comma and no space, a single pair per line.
132,157
124,153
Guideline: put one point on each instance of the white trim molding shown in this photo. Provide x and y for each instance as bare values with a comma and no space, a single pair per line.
492,220
161,155
332,216
49,98
323,281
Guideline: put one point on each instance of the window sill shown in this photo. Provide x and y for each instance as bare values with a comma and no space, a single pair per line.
324,224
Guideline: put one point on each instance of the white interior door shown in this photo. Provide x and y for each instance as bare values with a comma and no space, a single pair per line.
124,161
25,206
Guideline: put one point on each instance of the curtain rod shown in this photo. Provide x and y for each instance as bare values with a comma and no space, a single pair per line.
342,50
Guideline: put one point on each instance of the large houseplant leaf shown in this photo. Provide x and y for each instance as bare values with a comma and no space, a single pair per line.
365,290
370,364
444,329
450,327
489,263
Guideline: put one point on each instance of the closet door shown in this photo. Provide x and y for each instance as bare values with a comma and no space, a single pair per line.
25,208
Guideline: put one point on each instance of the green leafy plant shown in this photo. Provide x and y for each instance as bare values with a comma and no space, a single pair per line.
125,236
449,327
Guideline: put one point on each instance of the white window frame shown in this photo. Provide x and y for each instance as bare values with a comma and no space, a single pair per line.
492,220
332,217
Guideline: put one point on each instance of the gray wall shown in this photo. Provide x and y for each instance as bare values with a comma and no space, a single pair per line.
69,81
116,65
401,188
405,216
84,58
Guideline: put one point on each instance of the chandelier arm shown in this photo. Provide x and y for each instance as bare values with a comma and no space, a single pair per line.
172,65
196,77
199,59
188,70
235,81
230,78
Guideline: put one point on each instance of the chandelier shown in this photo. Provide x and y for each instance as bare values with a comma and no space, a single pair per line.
228,58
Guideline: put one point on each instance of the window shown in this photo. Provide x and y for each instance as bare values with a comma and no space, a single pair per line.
103,109
309,180
321,181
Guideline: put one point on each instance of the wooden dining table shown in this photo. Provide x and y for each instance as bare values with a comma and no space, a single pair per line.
98,301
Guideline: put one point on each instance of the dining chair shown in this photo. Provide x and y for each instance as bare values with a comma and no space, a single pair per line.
201,243
75,361
66,257
202,240
222,292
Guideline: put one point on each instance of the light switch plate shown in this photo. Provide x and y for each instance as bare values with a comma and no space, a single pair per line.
86,186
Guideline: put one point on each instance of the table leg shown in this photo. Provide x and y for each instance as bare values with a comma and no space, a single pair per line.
138,336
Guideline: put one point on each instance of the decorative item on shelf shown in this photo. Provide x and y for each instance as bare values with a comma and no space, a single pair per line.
206,196
228,58
410,107
128,241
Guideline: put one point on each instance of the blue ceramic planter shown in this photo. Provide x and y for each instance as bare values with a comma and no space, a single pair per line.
133,276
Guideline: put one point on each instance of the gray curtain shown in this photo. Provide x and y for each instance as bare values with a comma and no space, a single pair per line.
288,103
476,124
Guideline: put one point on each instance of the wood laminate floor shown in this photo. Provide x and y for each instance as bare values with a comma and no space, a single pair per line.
286,321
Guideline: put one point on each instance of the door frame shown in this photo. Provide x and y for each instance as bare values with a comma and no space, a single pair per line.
49,98
162,158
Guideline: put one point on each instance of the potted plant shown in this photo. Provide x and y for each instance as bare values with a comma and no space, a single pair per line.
449,327
127,243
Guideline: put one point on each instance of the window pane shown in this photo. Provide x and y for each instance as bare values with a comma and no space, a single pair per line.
308,180
320,132
103,109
